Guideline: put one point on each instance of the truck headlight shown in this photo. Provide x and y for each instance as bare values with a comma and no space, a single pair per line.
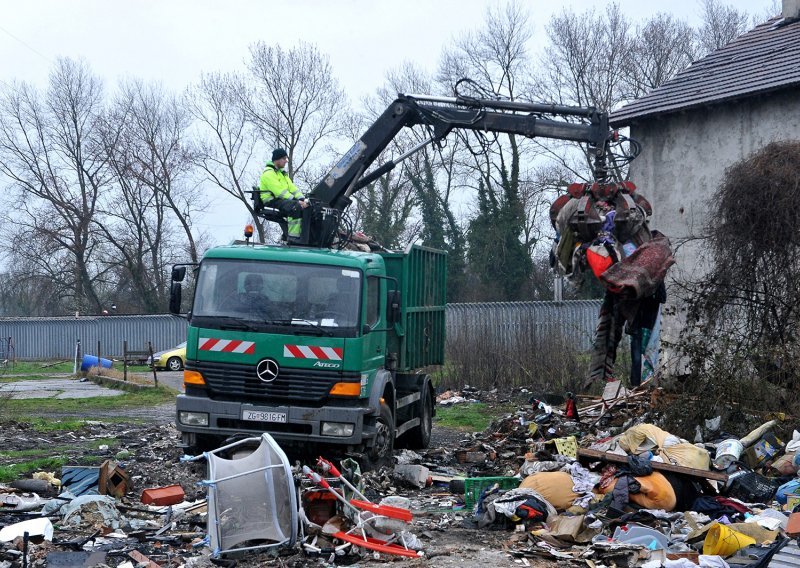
338,429
193,418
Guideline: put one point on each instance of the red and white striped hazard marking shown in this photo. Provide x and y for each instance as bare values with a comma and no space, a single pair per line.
226,345
313,352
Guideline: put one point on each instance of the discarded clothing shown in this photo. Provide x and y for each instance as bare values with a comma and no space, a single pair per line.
647,437
624,486
583,482
639,466
715,509
554,486
655,492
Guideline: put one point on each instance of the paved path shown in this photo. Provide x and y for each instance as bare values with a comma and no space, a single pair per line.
54,388
63,386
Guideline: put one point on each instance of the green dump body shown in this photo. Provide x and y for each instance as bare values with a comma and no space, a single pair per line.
419,336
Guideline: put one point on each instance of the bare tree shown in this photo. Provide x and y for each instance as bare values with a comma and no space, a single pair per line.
161,157
585,59
721,25
295,102
227,148
660,48
50,153
496,59
135,221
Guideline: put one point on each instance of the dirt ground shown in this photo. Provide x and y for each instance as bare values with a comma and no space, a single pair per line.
147,448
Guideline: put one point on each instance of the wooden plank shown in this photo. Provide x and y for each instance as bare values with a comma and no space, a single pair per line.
587,454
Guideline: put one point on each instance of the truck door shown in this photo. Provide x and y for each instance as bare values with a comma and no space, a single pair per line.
374,342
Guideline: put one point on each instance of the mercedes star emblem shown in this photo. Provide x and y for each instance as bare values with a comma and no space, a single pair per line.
267,370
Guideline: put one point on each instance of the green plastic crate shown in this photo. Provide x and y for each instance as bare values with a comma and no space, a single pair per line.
473,487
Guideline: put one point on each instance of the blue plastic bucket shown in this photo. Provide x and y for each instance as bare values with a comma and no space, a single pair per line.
91,361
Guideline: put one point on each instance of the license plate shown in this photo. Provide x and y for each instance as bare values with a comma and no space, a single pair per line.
264,416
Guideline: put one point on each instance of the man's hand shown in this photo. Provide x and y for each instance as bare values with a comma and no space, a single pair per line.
303,204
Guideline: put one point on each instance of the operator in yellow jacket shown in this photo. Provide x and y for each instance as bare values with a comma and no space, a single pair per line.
278,191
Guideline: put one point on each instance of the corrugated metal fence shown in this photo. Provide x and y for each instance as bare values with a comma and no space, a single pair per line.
55,338
501,323
508,323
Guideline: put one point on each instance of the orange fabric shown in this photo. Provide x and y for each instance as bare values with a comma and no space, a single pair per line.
599,260
656,493
555,486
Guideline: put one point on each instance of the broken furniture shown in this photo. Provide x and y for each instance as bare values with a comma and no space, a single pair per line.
250,499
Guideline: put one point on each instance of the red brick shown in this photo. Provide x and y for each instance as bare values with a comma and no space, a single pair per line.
170,495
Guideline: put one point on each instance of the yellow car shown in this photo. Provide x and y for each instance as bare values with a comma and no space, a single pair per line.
172,359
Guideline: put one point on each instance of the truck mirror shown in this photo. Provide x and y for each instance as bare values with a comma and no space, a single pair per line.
175,297
178,273
393,307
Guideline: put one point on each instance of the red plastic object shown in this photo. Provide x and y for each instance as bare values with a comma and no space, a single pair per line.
169,495
385,510
375,544
793,526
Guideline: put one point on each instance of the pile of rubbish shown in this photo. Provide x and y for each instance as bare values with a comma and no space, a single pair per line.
573,480
595,482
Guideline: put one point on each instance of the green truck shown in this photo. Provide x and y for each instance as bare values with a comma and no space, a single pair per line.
314,346
314,343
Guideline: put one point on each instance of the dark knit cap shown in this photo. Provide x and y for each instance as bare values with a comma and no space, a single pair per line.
278,153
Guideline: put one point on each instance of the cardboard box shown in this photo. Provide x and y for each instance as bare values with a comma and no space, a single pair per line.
766,449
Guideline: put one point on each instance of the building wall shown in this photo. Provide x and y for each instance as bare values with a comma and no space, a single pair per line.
683,160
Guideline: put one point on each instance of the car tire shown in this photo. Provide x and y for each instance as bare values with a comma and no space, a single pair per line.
384,436
419,437
174,364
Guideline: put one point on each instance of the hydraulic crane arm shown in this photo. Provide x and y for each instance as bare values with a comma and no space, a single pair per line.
442,115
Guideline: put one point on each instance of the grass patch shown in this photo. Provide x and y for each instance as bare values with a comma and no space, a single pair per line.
38,406
12,454
14,471
66,424
39,367
7,379
110,442
474,417
52,463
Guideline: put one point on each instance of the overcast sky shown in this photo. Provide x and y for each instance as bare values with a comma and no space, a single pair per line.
173,41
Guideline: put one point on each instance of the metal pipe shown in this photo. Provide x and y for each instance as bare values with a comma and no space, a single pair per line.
522,106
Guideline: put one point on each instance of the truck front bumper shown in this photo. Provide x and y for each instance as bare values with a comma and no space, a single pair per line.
303,424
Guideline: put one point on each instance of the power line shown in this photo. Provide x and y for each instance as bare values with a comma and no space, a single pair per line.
37,52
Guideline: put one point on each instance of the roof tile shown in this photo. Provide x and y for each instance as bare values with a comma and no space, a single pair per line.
767,58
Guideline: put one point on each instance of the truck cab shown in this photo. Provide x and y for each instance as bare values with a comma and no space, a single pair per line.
314,346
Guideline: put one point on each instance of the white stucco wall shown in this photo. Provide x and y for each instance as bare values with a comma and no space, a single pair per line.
683,160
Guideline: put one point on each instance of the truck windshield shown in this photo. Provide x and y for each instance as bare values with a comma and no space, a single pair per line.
253,294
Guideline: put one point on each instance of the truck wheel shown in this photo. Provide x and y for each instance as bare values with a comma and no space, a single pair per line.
174,364
384,435
420,436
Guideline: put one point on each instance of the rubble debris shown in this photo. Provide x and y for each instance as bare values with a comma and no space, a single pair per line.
35,528
540,503
412,474
20,503
82,559
93,510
